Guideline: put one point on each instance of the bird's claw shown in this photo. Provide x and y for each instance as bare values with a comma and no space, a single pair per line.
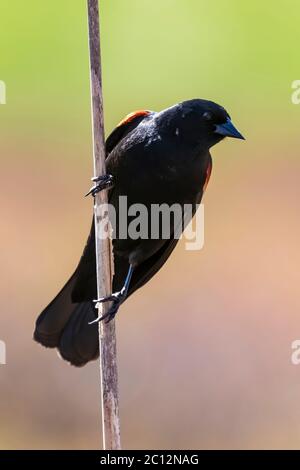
101,183
109,315
116,298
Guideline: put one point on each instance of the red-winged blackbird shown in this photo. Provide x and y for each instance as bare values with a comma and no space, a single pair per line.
152,158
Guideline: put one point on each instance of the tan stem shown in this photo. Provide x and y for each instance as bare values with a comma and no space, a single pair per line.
107,334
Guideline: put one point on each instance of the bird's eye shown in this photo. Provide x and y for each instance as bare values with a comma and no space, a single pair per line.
207,116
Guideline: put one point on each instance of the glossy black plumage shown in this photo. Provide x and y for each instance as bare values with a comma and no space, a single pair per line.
154,158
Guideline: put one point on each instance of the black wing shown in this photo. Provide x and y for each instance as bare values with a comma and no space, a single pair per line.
85,286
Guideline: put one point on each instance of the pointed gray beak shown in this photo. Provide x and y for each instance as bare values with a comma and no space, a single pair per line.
228,130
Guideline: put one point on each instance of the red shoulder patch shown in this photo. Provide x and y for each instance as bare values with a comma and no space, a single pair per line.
208,173
132,116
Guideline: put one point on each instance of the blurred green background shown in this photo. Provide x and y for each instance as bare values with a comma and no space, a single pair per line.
204,349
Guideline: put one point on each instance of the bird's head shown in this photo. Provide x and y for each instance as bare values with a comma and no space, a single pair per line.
200,122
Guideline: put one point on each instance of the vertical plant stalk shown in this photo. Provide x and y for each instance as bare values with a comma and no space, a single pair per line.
107,333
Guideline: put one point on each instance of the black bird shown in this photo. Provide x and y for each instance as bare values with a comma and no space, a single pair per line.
152,158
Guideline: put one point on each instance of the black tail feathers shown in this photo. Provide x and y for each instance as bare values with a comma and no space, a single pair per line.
65,325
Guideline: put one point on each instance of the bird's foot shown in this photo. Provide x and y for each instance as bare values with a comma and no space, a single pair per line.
117,298
101,182
108,316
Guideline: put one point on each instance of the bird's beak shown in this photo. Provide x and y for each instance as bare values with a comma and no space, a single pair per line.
228,130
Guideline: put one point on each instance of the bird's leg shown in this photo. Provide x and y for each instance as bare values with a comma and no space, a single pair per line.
101,182
117,298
